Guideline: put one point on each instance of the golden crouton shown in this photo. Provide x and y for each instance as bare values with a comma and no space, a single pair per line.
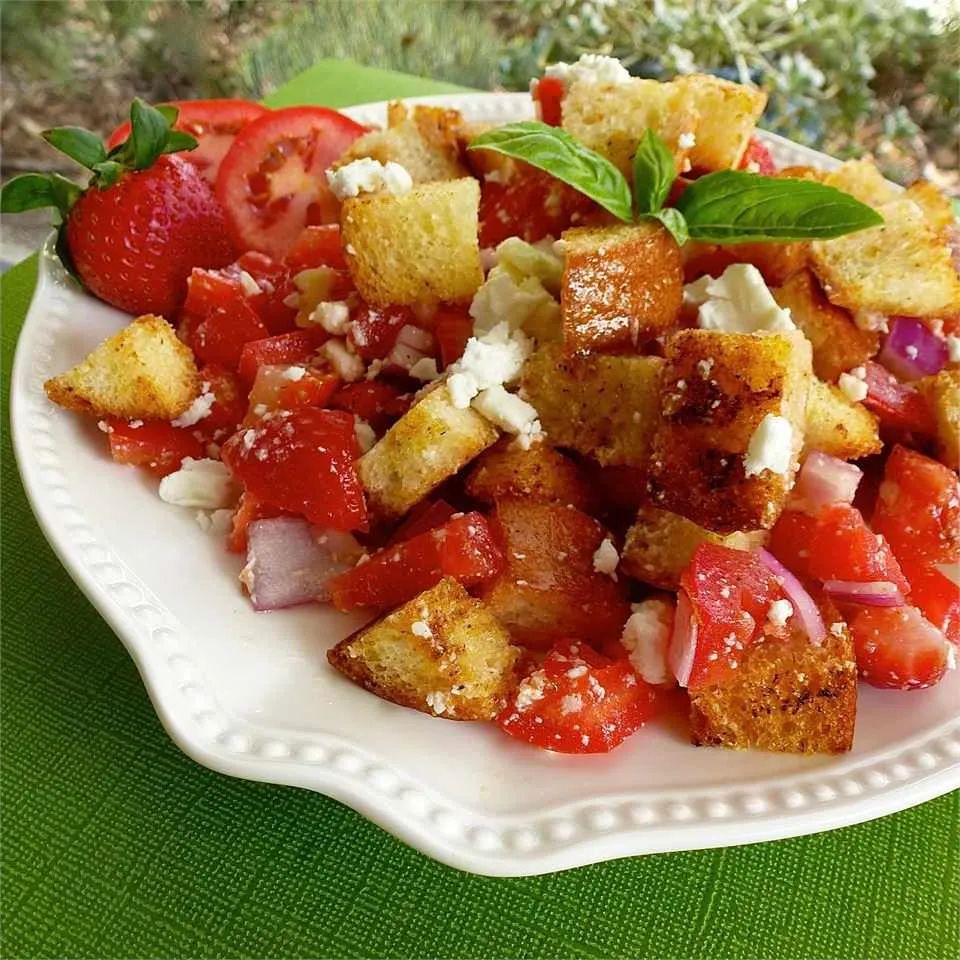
603,406
838,343
143,372
788,696
717,390
936,206
420,245
900,268
660,545
540,473
727,117
622,286
429,443
862,179
943,395
838,426
425,142
443,653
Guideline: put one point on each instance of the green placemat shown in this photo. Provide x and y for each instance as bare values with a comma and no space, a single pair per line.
114,844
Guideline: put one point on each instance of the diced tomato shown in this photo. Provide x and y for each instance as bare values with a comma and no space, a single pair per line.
677,190
453,328
298,346
918,513
790,541
758,155
549,93
317,246
462,548
229,405
275,390
273,278
376,401
248,509
426,515
898,405
302,461
896,647
578,702
153,444
225,320
730,592
374,330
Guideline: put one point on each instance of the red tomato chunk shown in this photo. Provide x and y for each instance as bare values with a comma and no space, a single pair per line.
153,444
296,347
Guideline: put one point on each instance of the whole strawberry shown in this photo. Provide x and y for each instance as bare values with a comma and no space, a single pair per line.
146,219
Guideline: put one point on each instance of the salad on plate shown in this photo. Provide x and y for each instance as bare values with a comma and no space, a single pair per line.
593,415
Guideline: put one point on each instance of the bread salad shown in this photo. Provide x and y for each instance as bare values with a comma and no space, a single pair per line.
588,414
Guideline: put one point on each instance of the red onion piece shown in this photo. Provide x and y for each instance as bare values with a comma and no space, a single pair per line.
683,640
822,481
880,593
289,561
403,357
804,605
416,337
912,350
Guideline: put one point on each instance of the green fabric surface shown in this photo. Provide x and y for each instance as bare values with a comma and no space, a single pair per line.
115,844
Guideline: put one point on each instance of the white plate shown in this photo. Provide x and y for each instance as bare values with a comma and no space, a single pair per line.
251,695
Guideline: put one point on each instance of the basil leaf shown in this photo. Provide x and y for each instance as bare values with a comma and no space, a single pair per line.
78,144
555,151
653,173
148,134
33,191
674,221
733,206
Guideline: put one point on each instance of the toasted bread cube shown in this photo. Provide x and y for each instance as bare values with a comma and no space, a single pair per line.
622,286
727,117
838,426
943,394
424,141
838,343
549,588
936,206
429,443
862,179
902,268
717,390
143,372
419,246
788,696
660,545
443,653
602,406
539,472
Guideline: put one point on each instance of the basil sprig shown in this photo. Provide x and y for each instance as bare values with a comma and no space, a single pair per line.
731,206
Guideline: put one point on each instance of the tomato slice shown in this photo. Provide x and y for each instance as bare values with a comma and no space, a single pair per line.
298,346
271,183
154,445
462,548
549,94
453,327
790,541
214,123
426,515
374,330
758,155
276,389
302,461
898,405
229,405
578,701
377,402
317,246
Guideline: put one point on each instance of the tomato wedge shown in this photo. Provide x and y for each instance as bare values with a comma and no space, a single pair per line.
271,183
213,122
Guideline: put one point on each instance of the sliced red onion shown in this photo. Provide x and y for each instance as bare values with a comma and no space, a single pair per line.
804,605
289,562
416,337
403,357
912,350
824,480
683,640
879,593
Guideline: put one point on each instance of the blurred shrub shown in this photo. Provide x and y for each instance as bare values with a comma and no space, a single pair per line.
843,75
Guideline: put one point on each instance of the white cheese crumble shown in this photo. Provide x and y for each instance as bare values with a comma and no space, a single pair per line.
571,703
437,702
739,301
590,68
205,484
425,370
606,558
367,176
953,348
770,447
510,413
249,286
217,522
517,300
837,628
197,410
332,315
646,637
871,321
348,366
294,373
366,436
420,628
687,140
530,690
779,612
853,388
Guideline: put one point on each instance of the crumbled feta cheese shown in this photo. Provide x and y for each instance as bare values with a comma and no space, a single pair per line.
951,656
530,690
853,388
571,703
770,447
367,176
911,351
425,369
779,612
695,293
509,413
420,628
871,321
134,424
366,436
739,301
687,140
197,410
437,702
541,260
294,373
507,297
206,484
332,315
218,522
953,348
249,286
837,628
606,558
646,636
590,68
348,366
462,387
